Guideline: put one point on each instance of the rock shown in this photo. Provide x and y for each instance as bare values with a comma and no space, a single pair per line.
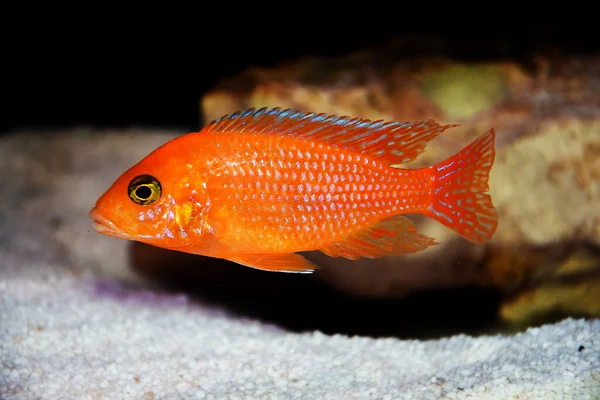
557,297
545,181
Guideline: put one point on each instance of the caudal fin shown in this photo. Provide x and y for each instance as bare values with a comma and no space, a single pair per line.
460,199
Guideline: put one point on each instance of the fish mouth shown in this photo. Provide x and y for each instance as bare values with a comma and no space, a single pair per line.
103,225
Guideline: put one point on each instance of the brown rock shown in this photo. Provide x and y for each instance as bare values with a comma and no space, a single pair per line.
545,181
574,291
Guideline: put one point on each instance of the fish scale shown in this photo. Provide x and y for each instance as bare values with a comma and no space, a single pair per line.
308,196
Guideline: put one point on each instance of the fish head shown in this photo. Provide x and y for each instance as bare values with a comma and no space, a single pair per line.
160,201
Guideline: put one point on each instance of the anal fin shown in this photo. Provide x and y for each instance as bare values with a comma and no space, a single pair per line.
289,262
393,235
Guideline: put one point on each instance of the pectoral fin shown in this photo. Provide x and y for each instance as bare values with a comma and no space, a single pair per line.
289,262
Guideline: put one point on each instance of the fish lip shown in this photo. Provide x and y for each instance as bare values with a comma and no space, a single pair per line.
103,225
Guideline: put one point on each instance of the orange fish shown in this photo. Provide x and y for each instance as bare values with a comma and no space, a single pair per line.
257,186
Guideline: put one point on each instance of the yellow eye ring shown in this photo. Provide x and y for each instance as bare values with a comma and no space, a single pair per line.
144,190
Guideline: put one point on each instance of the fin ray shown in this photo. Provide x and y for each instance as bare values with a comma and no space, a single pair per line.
394,235
461,198
289,262
393,142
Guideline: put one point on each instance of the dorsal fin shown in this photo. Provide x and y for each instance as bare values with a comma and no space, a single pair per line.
391,142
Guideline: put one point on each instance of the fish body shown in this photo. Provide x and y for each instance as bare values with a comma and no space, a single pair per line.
257,186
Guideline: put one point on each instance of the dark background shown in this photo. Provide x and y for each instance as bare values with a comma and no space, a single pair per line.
66,72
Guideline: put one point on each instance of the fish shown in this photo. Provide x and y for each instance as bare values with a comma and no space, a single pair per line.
258,186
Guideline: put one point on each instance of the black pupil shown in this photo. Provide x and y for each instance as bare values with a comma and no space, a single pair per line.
143,192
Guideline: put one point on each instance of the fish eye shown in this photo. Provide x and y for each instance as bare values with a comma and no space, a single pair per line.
144,190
